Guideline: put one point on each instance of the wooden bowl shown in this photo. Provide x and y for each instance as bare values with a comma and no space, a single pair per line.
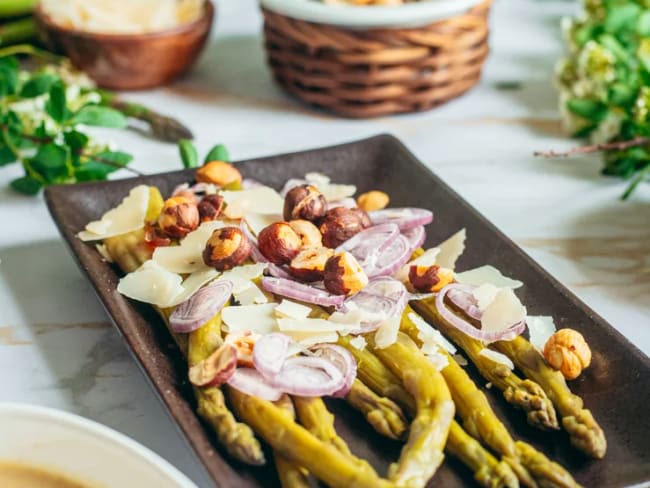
129,61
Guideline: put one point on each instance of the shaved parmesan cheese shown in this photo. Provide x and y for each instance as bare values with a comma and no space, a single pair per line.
308,325
188,256
332,192
355,317
487,274
257,221
292,310
460,360
251,295
307,339
485,295
504,311
428,258
540,329
261,200
254,318
192,284
359,343
497,357
317,179
126,217
429,334
386,334
439,360
241,276
151,283
451,249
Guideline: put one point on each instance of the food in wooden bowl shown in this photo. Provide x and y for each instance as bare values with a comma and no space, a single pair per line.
127,45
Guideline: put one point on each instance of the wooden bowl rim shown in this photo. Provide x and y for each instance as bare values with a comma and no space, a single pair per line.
208,14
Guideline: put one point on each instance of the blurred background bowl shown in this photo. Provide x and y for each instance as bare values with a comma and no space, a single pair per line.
81,449
129,61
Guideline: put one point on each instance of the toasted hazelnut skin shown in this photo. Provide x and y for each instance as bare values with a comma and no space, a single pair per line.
308,233
210,207
343,275
179,216
429,279
226,248
373,200
568,352
309,263
304,202
279,243
340,224
218,173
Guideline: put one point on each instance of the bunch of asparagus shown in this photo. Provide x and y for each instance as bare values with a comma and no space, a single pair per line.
16,22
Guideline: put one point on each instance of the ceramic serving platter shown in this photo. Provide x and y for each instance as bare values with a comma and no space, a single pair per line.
616,387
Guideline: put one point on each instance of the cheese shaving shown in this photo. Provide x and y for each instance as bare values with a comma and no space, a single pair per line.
241,276
497,357
187,257
128,216
428,258
540,329
485,294
261,200
308,325
503,312
331,191
460,360
193,283
451,250
251,295
257,221
151,283
292,310
487,274
254,318
307,339
386,334
429,334
359,343
439,360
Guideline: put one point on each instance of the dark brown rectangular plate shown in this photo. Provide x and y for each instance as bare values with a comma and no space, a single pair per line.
616,387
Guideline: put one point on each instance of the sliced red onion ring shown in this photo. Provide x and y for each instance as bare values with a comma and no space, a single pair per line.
463,299
279,271
343,360
291,183
391,258
467,328
200,307
368,244
346,202
309,376
270,353
416,237
251,382
405,218
384,296
299,291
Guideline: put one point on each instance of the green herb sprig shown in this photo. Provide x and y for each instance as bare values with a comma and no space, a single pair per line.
604,85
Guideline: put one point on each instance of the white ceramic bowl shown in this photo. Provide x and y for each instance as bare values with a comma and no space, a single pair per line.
81,449
359,17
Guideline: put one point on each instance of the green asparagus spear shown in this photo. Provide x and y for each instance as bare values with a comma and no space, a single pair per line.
290,474
297,445
434,411
319,421
385,416
480,421
584,431
19,30
521,393
488,471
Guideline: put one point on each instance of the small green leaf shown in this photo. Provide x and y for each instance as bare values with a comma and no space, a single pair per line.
189,154
588,109
99,116
38,85
50,161
643,24
56,105
622,17
621,94
8,75
114,158
76,140
6,156
26,185
217,153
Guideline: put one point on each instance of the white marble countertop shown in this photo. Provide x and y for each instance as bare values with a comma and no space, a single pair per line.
57,347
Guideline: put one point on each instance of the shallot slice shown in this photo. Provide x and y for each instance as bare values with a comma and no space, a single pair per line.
200,307
416,237
343,360
251,382
309,376
301,292
405,218
391,258
270,353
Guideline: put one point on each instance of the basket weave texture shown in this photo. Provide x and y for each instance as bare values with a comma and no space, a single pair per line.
369,73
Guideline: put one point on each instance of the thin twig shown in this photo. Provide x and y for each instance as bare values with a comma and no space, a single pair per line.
32,51
608,146
108,162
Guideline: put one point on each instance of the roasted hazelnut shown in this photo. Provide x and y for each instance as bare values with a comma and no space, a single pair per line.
568,352
227,247
373,200
309,264
179,217
304,202
344,275
429,279
340,224
279,243
308,233
218,173
210,207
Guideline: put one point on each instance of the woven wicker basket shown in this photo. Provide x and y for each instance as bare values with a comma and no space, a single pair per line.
368,73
